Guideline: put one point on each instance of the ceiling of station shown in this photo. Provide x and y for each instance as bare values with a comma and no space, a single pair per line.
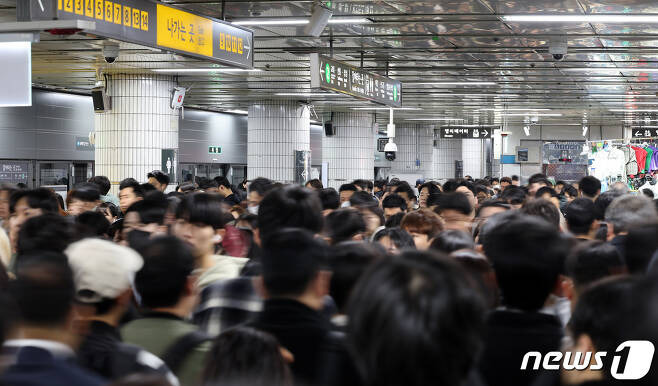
609,70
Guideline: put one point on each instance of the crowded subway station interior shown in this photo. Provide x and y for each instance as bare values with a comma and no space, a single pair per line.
328,193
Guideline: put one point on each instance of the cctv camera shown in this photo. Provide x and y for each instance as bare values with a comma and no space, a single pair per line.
110,52
389,151
558,48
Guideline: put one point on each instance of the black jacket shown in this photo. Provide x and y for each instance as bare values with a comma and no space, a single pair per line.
307,335
510,335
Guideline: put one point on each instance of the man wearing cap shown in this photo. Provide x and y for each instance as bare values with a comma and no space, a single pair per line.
103,274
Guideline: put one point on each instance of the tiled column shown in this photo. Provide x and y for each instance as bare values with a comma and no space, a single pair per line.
131,136
414,144
276,129
444,157
350,154
473,157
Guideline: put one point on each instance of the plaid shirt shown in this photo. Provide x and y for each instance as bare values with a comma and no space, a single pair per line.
227,303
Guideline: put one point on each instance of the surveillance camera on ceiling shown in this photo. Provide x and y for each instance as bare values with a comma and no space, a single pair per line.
110,51
558,48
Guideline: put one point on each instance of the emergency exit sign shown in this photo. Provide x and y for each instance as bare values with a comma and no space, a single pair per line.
214,150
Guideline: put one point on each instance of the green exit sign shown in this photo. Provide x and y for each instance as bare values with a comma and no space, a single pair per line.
214,150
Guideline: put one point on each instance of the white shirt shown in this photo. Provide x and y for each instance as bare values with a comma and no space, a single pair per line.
57,349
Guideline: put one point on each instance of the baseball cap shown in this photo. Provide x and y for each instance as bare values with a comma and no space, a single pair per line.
102,269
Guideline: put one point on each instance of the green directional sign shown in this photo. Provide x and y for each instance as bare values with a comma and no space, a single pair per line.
214,150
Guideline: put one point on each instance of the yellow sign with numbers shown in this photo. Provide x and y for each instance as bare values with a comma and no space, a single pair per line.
184,31
89,8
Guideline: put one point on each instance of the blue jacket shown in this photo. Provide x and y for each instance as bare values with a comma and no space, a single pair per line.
34,366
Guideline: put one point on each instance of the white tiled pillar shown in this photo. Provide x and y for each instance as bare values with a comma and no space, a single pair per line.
350,154
473,157
414,155
276,129
445,154
131,136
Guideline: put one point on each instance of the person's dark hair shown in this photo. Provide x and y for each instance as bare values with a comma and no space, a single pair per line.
381,184
290,206
404,187
433,199
48,232
92,224
640,246
648,193
537,178
544,209
400,238
480,270
492,204
592,261
128,183
467,184
146,189
580,214
348,261
603,202
86,192
343,224
454,201
590,186
209,184
223,181
245,356
159,176
114,210
450,186
513,195
363,198
604,312
507,180
528,254
261,186
291,259
515,178
330,198
422,221
40,198
315,184
202,208
347,187
452,240
166,260
187,187
570,190
363,184
431,188
545,190
395,220
102,182
423,307
43,291
394,201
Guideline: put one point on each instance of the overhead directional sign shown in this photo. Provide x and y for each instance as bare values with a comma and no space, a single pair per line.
329,74
151,24
645,133
457,132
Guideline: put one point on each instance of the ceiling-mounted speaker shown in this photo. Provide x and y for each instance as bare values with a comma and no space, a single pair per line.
329,129
102,102
319,19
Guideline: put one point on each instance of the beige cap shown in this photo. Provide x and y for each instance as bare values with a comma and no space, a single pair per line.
102,269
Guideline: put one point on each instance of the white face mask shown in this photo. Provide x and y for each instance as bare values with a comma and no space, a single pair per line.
253,209
346,204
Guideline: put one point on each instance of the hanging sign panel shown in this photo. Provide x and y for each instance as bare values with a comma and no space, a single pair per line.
456,132
154,25
645,133
330,74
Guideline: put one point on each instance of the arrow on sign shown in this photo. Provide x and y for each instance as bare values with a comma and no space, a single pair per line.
638,134
485,132
41,5
246,47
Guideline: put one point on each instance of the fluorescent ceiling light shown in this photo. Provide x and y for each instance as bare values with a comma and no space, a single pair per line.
632,111
581,18
610,69
628,103
487,126
310,94
241,112
532,115
387,108
204,70
333,20
434,119
622,95
645,127
451,83
502,109
474,95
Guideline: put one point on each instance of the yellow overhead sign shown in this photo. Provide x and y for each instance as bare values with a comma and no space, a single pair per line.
184,31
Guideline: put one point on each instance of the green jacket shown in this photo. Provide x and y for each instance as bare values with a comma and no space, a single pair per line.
157,332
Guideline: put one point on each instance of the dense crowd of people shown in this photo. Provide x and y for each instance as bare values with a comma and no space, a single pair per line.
378,283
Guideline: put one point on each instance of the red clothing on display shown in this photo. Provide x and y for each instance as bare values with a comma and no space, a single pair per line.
641,156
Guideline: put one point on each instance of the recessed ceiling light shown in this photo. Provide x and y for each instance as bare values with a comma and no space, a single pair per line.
451,83
204,70
433,119
387,108
333,20
474,95
310,94
241,112
581,18
532,115
502,109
